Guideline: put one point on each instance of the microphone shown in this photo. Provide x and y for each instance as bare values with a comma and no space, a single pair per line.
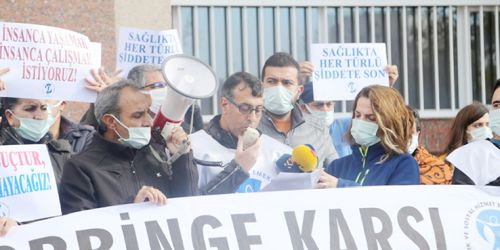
250,136
303,159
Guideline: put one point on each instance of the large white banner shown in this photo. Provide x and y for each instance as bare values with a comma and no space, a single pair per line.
28,189
46,62
341,70
384,217
143,46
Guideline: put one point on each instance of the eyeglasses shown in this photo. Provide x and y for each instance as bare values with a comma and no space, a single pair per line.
246,109
154,85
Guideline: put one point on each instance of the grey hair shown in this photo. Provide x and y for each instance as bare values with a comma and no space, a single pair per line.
138,73
107,102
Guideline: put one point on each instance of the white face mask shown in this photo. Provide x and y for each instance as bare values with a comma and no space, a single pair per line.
413,144
278,100
52,118
495,121
32,129
158,97
325,116
481,133
138,137
364,133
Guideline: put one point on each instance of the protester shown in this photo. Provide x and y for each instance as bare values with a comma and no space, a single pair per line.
432,169
78,135
241,108
380,132
151,80
318,116
340,126
122,164
25,121
283,119
477,162
470,124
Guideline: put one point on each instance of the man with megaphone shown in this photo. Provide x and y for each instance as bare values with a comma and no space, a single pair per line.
123,164
247,159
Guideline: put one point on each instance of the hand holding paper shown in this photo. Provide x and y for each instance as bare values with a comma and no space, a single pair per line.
151,194
6,223
100,79
392,71
3,71
326,181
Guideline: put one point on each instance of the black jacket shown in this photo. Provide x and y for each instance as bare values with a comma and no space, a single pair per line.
233,174
107,174
78,135
59,150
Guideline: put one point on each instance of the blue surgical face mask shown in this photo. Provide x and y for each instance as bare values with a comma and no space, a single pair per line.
278,100
364,133
32,129
495,121
482,133
138,137
325,116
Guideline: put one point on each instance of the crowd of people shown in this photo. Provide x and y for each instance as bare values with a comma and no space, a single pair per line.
113,156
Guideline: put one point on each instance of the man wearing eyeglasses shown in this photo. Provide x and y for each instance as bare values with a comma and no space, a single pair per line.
318,116
242,107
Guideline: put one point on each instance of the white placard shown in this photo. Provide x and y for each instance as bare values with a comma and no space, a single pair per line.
341,70
46,62
28,189
384,217
143,46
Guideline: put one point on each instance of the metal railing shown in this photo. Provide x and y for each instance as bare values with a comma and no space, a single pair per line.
445,57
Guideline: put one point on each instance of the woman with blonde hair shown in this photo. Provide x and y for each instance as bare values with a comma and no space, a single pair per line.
380,132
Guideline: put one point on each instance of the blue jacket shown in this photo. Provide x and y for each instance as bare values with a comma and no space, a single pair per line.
359,170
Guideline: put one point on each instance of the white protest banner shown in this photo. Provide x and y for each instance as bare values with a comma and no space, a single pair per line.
143,46
28,189
341,70
384,217
46,62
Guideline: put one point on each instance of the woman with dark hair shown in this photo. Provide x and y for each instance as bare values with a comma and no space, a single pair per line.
380,132
432,170
26,121
470,124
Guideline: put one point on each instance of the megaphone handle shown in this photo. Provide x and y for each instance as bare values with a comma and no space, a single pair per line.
167,130
161,122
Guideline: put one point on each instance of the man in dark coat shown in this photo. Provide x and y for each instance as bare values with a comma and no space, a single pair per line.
123,164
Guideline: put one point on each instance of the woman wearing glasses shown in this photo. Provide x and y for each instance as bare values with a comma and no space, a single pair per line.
380,133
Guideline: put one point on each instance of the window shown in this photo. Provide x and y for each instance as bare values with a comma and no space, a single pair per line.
435,75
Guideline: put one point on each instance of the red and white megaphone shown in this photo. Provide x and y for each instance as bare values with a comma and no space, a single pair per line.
189,79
